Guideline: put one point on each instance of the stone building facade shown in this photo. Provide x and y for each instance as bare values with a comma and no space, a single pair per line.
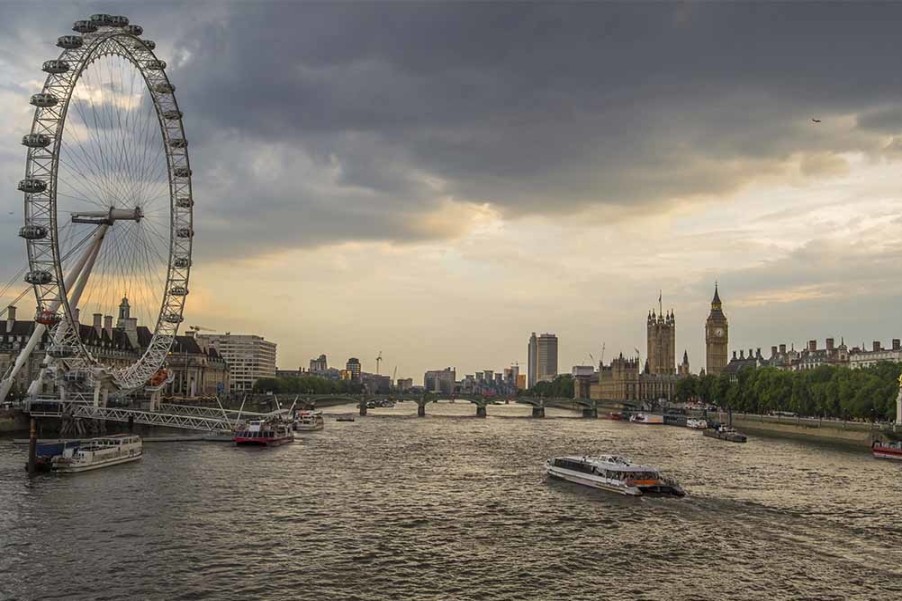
661,343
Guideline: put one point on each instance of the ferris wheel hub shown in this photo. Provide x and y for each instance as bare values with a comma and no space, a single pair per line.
108,217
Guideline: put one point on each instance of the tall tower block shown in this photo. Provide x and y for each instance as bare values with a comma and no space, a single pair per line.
716,337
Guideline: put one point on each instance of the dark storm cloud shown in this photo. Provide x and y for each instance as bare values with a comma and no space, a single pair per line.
327,122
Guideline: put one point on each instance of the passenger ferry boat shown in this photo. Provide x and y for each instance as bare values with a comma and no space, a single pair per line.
264,433
696,424
887,449
613,473
96,453
309,421
646,418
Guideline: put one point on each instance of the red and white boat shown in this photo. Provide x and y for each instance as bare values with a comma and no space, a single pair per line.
887,449
264,433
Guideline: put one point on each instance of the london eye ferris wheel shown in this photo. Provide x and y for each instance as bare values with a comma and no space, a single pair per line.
108,201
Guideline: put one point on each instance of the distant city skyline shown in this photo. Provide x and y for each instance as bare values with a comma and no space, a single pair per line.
435,181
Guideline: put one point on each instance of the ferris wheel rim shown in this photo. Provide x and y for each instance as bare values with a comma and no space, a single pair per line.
110,37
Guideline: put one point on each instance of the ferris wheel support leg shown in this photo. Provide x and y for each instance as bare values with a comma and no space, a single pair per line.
100,394
90,254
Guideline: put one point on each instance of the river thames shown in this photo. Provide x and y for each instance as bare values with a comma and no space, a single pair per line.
453,507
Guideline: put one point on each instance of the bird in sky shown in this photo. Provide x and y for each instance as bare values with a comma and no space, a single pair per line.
815,120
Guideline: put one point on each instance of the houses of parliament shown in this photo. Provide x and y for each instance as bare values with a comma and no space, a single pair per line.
626,378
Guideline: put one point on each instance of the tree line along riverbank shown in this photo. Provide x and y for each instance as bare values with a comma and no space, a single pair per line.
867,394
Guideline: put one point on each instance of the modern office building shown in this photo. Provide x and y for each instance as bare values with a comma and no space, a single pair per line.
248,356
318,365
441,381
353,368
542,358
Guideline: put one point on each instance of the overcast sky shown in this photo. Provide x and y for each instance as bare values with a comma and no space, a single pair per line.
436,181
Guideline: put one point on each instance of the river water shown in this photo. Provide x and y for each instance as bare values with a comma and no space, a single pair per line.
453,507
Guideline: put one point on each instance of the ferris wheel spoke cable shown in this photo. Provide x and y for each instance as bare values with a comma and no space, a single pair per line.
87,187
90,147
17,277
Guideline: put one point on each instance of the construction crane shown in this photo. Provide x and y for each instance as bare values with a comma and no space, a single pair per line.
603,345
394,373
378,362
200,328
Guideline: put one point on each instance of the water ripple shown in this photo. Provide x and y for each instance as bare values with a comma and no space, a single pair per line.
452,507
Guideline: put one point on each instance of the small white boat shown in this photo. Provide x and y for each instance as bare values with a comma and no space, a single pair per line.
96,453
696,424
612,473
647,418
309,421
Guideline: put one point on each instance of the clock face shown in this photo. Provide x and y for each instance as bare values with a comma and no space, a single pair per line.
718,332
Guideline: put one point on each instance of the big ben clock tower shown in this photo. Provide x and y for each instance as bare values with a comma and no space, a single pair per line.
716,337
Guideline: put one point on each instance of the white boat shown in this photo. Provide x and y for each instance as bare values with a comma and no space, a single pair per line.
613,473
96,453
309,421
696,424
646,418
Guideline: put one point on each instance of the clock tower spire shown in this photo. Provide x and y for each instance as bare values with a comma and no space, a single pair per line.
716,336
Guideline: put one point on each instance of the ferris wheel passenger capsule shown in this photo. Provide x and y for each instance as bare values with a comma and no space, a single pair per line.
181,172
173,318
182,262
172,115
145,44
43,100
32,186
33,232
135,30
155,65
55,66
62,352
184,232
36,140
178,291
84,27
38,277
184,202
47,317
118,21
178,143
164,87
102,20
70,42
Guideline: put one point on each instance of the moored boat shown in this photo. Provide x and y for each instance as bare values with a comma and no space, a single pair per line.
264,433
46,450
696,424
308,421
887,449
725,433
612,473
96,453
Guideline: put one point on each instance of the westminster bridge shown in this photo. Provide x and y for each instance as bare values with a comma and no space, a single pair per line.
588,407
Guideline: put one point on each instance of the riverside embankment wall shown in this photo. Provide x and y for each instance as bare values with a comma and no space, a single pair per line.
856,434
